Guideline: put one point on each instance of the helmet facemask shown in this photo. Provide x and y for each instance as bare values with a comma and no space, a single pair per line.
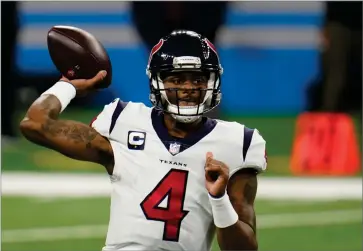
209,97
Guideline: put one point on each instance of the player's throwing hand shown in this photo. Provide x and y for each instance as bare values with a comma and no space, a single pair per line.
216,176
84,86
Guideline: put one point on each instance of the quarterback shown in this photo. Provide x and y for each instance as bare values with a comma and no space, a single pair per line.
178,178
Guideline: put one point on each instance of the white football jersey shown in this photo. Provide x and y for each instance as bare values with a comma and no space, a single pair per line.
159,200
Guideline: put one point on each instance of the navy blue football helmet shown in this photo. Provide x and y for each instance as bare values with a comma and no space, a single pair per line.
188,51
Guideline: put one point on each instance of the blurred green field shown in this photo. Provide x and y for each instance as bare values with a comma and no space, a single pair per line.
277,131
64,224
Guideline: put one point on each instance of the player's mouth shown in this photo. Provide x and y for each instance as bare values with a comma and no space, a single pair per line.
187,103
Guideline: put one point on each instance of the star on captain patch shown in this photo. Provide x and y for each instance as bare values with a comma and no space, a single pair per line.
174,148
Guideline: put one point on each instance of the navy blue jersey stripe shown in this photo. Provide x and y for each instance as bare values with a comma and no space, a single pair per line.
248,133
119,108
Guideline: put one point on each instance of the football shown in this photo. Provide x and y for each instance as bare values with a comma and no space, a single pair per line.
77,54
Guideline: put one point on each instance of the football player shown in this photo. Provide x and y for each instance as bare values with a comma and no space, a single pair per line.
177,177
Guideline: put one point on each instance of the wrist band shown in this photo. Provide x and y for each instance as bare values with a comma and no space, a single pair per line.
224,214
64,92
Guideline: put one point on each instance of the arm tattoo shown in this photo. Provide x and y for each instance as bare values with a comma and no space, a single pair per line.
74,132
50,106
71,138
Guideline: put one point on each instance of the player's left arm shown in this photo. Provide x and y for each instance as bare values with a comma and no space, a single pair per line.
241,189
232,196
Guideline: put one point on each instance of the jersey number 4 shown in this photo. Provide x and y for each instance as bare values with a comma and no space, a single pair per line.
174,186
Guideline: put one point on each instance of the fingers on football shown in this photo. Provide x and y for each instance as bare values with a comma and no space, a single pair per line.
99,77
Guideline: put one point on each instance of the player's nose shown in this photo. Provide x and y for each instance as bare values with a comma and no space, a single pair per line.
188,86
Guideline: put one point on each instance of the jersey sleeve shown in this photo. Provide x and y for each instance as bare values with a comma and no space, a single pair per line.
253,152
104,122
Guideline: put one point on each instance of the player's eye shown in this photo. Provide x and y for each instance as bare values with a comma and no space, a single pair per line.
176,81
200,81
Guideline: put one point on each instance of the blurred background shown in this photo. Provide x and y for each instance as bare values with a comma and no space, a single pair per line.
293,70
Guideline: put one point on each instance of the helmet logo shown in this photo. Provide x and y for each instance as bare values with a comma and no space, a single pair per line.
211,46
155,49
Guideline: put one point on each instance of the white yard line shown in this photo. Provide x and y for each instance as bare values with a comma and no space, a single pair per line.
90,185
267,221
54,233
309,218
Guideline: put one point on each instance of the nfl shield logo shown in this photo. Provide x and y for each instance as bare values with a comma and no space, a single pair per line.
174,148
